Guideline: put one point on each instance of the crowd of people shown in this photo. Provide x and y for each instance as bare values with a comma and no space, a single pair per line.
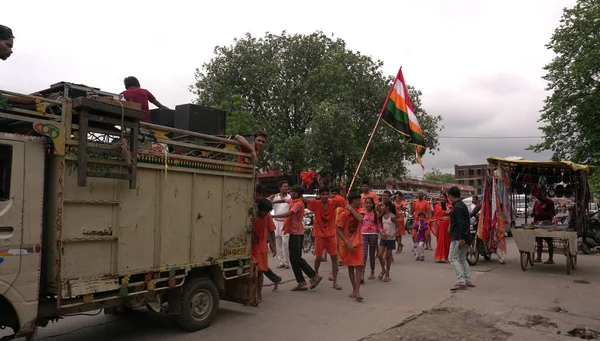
352,228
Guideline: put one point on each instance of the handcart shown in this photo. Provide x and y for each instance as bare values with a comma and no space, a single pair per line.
565,241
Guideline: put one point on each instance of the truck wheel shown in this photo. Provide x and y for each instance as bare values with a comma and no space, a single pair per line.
199,304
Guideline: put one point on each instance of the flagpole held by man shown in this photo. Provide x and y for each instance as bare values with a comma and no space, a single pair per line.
399,114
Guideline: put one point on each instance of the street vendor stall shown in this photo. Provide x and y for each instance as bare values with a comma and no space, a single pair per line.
508,181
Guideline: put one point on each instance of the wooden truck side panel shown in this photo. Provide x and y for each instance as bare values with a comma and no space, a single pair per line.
172,219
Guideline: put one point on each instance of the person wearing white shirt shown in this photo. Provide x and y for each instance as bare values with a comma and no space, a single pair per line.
281,205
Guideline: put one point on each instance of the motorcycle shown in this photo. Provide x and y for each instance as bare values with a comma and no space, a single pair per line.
477,247
591,239
308,245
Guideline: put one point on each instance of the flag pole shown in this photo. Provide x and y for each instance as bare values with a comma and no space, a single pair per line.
372,133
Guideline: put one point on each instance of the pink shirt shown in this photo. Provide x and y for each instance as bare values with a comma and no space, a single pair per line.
369,224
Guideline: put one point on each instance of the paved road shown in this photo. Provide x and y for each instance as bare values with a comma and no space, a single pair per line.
328,314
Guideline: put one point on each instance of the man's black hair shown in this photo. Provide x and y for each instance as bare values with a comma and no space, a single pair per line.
399,193
264,205
131,81
353,196
282,182
421,214
387,192
324,189
454,191
298,189
5,33
335,190
365,182
259,188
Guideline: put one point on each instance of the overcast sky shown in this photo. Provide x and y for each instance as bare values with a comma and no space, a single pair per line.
478,63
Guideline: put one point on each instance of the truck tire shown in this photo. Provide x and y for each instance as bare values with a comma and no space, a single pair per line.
199,304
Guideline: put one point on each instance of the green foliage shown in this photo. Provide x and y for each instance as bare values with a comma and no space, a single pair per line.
437,175
570,114
317,100
239,120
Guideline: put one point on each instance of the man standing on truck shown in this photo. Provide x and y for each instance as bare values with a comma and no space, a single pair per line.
259,141
281,205
135,93
7,39
324,230
293,225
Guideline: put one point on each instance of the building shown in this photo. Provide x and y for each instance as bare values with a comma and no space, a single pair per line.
471,175
410,187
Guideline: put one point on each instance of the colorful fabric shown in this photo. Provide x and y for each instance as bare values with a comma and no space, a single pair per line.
399,113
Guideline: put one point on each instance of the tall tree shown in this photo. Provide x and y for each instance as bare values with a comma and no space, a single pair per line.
570,114
317,100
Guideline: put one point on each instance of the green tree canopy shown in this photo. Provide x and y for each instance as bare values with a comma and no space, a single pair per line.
437,175
317,100
570,114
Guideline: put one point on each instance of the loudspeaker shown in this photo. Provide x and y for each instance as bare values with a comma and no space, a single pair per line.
200,119
163,117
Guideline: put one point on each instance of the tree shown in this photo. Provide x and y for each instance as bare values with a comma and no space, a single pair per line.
437,175
570,113
239,120
317,100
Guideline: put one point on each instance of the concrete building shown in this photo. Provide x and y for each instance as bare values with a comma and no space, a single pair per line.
471,175
410,187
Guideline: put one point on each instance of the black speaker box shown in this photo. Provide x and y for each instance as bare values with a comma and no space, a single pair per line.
163,117
200,119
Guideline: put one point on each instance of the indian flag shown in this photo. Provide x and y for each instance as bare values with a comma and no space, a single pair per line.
399,113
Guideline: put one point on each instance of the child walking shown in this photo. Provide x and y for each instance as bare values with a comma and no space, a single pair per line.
388,239
370,228
263,230
348,228
420,237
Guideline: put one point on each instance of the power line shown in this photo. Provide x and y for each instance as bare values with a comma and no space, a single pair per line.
491,137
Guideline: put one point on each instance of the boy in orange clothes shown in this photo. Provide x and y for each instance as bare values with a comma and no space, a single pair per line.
366,188
293,225
336,193
348,228
401,206
324,230
263,226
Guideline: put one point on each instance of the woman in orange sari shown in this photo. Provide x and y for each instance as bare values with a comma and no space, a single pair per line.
439,225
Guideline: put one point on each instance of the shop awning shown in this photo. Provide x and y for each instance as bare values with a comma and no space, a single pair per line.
541,164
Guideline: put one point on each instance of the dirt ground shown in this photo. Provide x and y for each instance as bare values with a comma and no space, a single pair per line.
444,324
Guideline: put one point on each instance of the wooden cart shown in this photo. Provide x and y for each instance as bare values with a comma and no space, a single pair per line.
562,240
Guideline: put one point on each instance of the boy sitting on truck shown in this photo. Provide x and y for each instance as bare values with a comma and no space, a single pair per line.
263,226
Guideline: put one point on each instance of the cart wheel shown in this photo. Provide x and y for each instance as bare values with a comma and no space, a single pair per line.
530,258
569,262
472,255
524,260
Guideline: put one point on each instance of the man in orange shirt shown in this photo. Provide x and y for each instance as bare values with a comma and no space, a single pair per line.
336,193
293,225
324,230
401,207
366,193
263,226
348,228
422,206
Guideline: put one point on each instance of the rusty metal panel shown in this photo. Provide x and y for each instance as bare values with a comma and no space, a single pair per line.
236,223
175,210
206,217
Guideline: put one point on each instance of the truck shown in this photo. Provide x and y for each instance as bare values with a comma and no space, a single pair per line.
99,210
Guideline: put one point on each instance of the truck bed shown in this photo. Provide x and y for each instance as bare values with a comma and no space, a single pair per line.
180,218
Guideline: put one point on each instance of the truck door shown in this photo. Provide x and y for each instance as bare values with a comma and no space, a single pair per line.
21,195
12,159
